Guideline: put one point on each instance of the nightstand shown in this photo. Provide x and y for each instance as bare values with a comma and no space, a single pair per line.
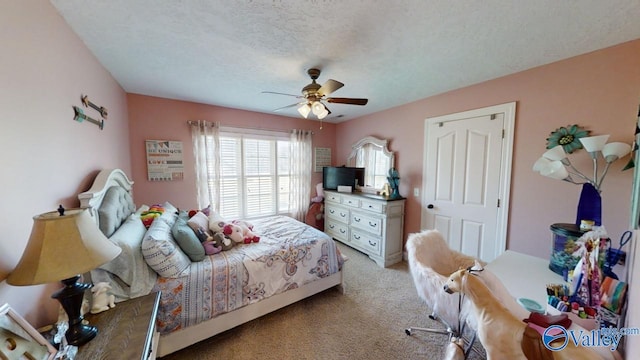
128,331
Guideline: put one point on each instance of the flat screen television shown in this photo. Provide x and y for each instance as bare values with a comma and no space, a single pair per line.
332,177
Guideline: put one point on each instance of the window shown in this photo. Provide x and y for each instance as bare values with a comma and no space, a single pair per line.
254,175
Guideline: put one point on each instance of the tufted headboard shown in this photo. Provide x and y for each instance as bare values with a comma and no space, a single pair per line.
109,199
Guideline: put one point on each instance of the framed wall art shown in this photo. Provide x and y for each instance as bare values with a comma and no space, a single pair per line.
19,340
164,160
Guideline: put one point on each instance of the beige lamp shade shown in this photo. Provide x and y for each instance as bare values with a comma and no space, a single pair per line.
60,247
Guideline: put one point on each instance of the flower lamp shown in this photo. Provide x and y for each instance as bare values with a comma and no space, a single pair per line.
555,164
62,245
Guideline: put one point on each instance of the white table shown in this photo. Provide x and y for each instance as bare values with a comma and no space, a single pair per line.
526,276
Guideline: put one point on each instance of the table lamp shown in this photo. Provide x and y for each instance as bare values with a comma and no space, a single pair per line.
63,245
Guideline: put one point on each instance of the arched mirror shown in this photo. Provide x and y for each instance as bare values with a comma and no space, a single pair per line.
374,156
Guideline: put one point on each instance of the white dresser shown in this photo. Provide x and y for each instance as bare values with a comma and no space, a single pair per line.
369,223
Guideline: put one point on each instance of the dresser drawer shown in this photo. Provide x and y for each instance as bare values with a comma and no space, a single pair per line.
370,223
373,206
338,213
337,229
366,241
351,201
336,198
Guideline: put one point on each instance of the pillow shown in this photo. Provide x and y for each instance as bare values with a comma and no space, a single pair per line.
199,221
128,273
187,238
216,222
128,237
160,250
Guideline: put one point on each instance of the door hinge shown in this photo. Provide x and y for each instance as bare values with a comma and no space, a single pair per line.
440,124
503,133
498,202
493,116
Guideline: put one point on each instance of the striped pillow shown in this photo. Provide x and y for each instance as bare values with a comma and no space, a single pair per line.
160,250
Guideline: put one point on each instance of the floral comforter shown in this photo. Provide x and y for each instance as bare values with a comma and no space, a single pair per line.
290,254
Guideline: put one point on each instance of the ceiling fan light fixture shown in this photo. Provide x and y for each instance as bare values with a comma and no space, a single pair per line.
323,114
304,110
317,107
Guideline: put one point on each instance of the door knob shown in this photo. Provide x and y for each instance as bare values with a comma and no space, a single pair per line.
430,206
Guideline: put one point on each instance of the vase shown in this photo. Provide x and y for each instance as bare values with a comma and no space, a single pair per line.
589,205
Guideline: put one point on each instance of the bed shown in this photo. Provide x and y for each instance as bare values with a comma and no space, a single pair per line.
290,262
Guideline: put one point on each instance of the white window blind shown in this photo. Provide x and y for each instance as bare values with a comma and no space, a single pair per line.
254,176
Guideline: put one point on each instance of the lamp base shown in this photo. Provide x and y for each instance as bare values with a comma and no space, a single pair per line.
70,297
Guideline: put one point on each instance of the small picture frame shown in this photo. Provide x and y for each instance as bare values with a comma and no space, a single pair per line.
19,340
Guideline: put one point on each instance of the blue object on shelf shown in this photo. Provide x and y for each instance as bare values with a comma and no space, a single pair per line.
531,305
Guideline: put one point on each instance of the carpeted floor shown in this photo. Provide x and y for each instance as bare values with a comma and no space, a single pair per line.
366,322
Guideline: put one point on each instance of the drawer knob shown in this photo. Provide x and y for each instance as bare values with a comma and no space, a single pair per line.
372,224
430,206
357,237
372,243
356,219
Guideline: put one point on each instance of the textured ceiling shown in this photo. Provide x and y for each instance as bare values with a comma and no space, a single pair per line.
226,53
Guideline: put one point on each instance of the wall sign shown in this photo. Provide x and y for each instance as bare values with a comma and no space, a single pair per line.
164,160
322,158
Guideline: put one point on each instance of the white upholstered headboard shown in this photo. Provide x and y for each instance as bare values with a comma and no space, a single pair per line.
120,199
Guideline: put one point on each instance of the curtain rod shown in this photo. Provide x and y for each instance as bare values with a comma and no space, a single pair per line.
211,123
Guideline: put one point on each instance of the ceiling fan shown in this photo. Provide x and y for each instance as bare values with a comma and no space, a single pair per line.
315,95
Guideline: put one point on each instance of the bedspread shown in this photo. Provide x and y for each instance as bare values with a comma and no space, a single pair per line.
289,254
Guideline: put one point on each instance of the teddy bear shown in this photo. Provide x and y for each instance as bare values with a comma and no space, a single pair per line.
102,300
246,229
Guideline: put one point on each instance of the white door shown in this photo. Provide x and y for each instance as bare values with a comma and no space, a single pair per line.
466,181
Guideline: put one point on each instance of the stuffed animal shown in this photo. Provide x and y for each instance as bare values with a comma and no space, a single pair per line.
214,242
148,216
102,300
248,236
233,232
222,241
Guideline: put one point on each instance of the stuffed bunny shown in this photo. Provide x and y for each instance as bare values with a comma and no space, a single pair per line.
102,300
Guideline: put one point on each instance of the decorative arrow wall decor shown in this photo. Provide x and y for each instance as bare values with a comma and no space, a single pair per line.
79,116
101,109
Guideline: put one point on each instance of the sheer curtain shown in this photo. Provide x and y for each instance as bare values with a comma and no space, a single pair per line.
301,163
206,152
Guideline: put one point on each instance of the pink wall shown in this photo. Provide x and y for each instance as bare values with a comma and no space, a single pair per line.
49,158
599,91
153,118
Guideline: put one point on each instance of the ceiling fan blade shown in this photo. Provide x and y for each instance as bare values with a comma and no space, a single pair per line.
289,106
278,93
329,87
350,101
